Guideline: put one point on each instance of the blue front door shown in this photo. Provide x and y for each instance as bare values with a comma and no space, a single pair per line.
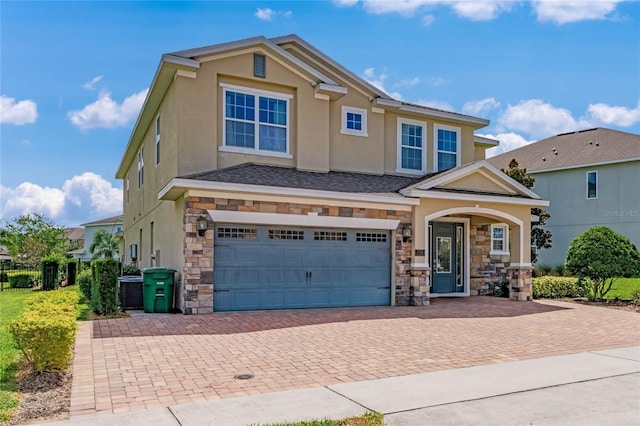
262,267
447,261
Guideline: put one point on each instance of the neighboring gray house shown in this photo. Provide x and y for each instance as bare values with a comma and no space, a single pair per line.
590,177
111,224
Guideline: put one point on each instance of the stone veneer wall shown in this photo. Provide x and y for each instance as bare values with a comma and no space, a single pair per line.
486,270
411,286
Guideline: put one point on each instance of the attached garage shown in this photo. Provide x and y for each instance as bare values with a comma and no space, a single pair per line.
275,267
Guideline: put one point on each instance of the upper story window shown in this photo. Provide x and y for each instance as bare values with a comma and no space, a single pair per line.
158,140
499,239
255,121
411,146
354,121
140,168
447,147
127,188
592,185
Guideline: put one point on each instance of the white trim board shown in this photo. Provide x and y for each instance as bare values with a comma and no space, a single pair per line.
309,220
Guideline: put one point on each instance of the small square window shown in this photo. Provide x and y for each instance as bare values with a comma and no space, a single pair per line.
354,121
499,239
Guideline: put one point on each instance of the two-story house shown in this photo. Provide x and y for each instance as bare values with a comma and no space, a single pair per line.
591,178
270,176
112,225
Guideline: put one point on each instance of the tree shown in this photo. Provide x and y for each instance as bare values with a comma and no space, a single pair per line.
31,237
599,256
540,237
104,244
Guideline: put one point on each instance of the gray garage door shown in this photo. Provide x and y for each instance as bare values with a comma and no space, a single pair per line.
261,267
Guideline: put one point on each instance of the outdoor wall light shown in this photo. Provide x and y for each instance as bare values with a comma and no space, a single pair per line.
201,225
406,233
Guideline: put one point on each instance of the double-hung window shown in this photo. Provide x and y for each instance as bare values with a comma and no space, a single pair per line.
592,185
411,146
447,147
499,239
354,121
255,121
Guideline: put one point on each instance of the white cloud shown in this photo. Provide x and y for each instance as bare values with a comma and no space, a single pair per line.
107,113
269,14
409,82
603,114
437,81
345,3
101,196
474,10
539,119
84,197
265,14
18,113
90,85
562,12
445,106
31,198
480,107
508,142
427,20
377,81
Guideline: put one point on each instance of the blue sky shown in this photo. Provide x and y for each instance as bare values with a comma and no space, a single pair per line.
73,75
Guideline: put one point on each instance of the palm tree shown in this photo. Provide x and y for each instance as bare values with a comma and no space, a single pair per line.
104,244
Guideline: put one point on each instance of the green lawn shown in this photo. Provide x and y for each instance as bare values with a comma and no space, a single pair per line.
11,303
369,419
623,288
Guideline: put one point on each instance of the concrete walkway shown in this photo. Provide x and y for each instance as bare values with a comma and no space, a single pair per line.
587,388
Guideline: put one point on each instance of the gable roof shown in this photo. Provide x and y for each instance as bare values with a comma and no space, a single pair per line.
75,234
575,149
114,220
444,185
188,60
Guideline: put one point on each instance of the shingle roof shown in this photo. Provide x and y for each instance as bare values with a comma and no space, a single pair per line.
265,175
75,234
573,149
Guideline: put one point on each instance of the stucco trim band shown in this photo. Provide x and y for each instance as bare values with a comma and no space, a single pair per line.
312,219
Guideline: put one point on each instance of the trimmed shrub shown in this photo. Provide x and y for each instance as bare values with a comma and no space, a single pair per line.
84,281
131,269
45,332
557,287
598,256
104,286
21,280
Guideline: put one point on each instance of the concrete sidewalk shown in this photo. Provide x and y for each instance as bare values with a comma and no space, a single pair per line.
599,387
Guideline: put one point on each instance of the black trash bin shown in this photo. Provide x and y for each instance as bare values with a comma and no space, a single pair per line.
130,292
158,289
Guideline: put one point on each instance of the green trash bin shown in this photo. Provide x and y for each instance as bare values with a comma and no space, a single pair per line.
158,289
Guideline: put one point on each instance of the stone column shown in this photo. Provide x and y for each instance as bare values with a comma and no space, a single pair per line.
420,286
520,286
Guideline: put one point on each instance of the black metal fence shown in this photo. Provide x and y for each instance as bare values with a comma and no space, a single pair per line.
24,276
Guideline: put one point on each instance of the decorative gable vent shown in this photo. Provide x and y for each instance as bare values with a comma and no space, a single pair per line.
259,65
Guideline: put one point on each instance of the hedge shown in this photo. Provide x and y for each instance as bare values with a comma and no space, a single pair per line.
21,280
45,332
84,282
557,287
104,286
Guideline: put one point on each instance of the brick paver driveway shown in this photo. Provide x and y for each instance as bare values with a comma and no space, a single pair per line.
152,360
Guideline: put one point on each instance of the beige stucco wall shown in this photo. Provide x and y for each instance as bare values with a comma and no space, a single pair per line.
479,213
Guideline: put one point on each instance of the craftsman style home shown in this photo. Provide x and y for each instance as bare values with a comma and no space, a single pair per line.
271,177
